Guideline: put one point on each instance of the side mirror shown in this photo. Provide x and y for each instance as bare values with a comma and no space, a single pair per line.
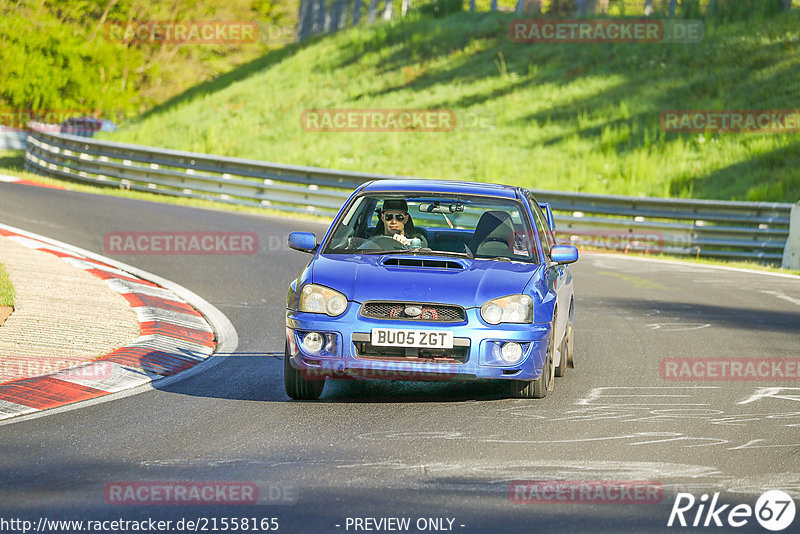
564,254
303,241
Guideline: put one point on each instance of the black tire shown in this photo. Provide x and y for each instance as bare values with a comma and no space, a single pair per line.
536,389
297,386
561,370
571,340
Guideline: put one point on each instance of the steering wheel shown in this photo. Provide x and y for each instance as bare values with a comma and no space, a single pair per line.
381,242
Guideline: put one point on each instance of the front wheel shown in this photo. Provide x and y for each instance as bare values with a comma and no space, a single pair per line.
561,370
297,386
570,337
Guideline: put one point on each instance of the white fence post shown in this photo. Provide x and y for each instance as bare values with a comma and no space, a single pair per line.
791,254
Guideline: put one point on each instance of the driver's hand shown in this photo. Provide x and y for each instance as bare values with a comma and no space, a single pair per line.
402,239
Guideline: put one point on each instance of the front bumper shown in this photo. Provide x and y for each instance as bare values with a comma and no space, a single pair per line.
475,354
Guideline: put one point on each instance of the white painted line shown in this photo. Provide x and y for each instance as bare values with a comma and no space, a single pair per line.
781,295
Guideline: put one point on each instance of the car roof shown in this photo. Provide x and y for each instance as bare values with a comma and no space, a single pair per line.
440,186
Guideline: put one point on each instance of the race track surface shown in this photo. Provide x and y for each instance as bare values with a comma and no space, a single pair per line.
418,450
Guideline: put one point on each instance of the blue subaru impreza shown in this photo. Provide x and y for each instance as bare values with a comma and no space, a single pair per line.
432,280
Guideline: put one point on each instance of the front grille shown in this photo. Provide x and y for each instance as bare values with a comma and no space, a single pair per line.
365,349
458,354
435,313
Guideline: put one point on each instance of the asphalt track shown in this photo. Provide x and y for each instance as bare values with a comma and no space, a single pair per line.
420,450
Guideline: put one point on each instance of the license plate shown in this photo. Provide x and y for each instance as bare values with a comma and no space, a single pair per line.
395,337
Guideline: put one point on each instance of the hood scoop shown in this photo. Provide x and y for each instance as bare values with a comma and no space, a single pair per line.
423,262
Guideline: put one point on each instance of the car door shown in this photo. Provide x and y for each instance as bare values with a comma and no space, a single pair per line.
562,286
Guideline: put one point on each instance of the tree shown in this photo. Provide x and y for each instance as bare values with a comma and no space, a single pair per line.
373,11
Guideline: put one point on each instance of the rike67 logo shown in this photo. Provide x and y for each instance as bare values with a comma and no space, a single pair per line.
774,510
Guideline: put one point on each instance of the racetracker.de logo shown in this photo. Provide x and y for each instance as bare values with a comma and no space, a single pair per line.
586,492
180,243
606,31
182,32
378,120
730,369
649,242
180,493
96,371
731,121
21,118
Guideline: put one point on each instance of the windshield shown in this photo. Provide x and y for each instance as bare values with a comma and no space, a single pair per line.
469,226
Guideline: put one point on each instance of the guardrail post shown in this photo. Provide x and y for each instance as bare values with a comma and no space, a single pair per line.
791,254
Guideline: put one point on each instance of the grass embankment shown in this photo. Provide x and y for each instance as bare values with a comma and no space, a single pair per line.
6,289
58,58
573,117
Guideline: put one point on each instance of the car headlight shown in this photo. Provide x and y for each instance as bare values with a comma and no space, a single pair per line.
510,309
320,299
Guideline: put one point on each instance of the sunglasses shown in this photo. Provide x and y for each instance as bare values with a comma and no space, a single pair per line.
389,216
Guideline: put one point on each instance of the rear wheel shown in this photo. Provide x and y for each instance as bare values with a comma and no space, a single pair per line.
537,389
297,386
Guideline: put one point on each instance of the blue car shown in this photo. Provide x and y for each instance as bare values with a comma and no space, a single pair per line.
432,280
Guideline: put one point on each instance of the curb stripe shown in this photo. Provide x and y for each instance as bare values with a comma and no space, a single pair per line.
11,409
148,315
161,363
191,349
45,392
173,337
120,377
178,332
138,300
122,286
24,181
105,275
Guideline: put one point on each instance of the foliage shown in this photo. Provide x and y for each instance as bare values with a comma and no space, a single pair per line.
441,8
576,117
58,55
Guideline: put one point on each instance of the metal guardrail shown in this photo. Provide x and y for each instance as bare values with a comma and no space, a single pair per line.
12,139
723,229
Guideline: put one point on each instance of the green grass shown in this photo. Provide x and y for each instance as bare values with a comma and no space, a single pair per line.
574,117
6,289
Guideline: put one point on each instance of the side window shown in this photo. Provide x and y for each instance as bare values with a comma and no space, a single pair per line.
548,240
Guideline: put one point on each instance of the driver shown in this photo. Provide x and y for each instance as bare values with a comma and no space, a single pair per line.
395,222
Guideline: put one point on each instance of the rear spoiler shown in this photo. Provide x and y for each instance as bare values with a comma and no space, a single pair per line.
549,214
